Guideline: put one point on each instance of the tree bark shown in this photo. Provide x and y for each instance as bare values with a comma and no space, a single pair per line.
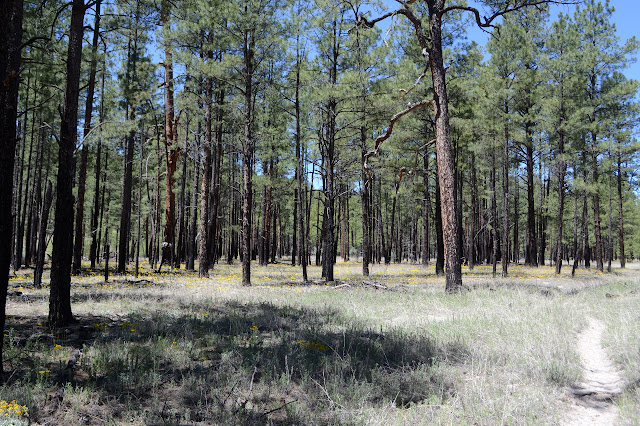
623,259
42,237
505,202
172,151
82,178
203,250
60,294
302,235
247,155
426,212
440,256
443,149
10,57
531,254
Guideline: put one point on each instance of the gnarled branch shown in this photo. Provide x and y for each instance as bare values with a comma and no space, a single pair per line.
387,134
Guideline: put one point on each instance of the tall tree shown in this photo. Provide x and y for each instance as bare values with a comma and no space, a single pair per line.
82,176
60,294
432,49
601,55
10,56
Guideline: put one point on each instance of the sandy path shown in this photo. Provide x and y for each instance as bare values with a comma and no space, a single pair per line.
601,383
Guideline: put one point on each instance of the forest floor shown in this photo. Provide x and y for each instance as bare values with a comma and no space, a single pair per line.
171,348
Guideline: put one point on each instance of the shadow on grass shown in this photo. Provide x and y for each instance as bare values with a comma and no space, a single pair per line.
230,363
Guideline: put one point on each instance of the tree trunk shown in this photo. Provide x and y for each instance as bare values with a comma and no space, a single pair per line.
505,203
82,178
19,228
494,215
60,294
623,260
10,43
42,237
440,256
172,152
247,156
203,250
596,211
443,149
562,170
125,215
531,254
191,243
182,222
426,211
302,235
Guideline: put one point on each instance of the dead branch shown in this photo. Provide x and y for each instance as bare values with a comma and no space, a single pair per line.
484,22
387,134
417,81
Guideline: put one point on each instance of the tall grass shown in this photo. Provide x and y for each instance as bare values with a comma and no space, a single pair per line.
175,349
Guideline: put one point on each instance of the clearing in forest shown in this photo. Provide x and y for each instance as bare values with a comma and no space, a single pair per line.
392,349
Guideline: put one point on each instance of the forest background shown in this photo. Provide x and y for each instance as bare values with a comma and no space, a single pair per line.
197,135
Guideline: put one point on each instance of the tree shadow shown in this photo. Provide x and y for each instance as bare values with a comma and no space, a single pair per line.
233,362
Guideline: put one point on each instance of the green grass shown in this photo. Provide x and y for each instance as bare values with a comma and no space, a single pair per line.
175,349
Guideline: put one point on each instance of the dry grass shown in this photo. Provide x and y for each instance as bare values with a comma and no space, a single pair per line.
175,349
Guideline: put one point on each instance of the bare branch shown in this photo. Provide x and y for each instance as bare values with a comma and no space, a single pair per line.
387,134
417,81
486,22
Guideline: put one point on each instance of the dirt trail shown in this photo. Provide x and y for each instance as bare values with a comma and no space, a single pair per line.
602,382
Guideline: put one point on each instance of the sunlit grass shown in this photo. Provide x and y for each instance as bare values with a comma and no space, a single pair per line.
175,348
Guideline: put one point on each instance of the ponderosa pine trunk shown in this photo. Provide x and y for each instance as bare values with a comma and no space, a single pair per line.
60,294
203,250
93,249
505,201
494,215
596,210
247,155
623,260
531,253
42,236
439,237
446,178
302,238
172,151
426,211
193,228
82,178
10,57
562,170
